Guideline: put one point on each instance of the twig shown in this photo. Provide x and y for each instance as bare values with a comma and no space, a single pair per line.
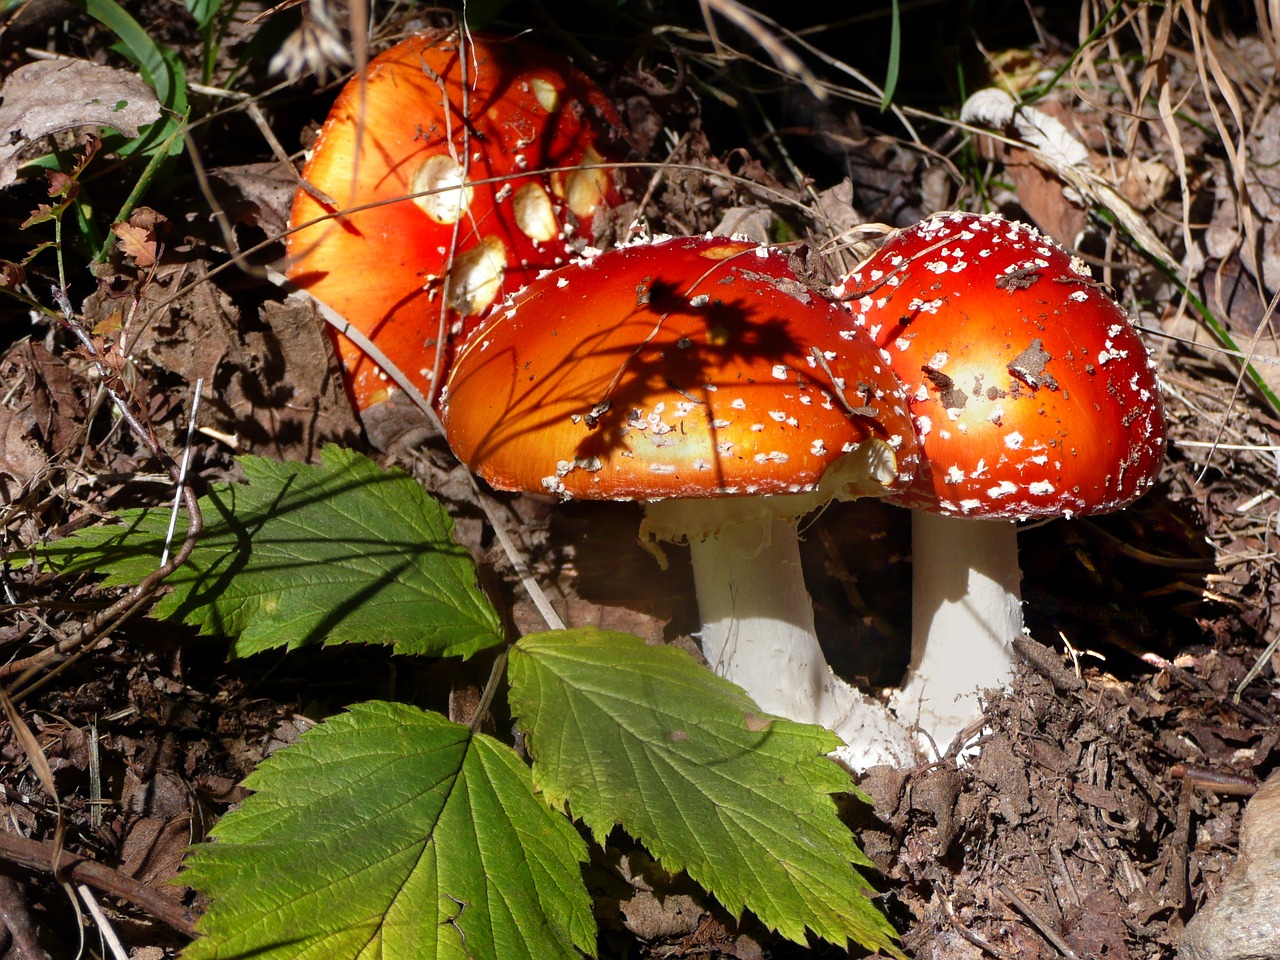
16,916
339,323
968,934
531,586
1191,681
1217,781
1180,845
496,673
1190,564
182,470
236,259
35,855
1036,921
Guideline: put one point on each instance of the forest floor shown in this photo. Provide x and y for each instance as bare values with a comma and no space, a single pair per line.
1104,806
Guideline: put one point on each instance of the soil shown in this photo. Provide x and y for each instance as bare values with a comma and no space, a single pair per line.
1104,805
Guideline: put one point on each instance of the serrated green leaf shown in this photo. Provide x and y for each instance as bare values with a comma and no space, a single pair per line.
340,553
644,736
392,833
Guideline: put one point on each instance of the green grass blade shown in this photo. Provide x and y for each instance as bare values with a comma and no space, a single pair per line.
160,67
895,56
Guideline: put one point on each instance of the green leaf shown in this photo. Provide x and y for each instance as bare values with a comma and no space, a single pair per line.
895,56
645,737
160,67
340,553
391,833
203,11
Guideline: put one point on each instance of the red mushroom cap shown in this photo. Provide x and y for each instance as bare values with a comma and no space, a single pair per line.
680,368
1031,393
513,112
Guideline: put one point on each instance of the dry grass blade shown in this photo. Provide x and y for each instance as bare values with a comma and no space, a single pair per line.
108,932
1157,74
31,747
822,88
760,29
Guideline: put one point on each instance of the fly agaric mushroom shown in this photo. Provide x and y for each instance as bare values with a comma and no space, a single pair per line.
482,123
1032,396
700,377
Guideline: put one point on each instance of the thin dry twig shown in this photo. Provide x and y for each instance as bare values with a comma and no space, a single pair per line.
34,855
968,934
17,918
1046,930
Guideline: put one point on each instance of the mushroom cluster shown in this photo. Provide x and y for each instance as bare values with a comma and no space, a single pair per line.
970,369
1032,396
458,169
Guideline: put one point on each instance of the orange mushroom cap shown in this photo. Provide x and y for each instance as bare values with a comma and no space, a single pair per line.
482,122
678,368
1031,392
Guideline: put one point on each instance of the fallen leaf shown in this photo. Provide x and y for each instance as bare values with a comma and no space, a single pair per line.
137,243
153,849
257,194
11,274
51,96
140,237
20,458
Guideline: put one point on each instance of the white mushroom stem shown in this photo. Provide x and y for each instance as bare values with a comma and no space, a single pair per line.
758,631
966,612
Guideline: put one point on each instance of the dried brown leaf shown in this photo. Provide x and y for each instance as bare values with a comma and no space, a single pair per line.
20,458
136,243
52,96
11,274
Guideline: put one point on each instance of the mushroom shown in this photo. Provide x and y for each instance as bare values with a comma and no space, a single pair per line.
1032,396
459,170
700,377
